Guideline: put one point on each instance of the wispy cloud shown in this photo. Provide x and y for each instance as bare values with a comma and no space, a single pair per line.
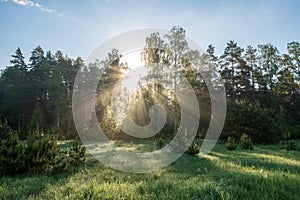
31,4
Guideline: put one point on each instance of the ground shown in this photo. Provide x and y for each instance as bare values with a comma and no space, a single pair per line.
267,172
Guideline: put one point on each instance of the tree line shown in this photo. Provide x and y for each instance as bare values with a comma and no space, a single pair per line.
262,88
39,93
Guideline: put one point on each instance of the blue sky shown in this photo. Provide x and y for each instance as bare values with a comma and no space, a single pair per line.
77,27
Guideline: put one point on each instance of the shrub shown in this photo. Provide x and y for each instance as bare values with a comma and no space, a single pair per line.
194,148
43,153
289,144
76,153
39,154
159,142
246,142
12,154
5,130
230,144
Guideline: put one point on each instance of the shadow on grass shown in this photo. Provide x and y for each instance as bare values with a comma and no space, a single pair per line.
242,175
23,186
261,160
220,175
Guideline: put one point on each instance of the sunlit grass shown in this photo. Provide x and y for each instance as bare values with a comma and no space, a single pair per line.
267,172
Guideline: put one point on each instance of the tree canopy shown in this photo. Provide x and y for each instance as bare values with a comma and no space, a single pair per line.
262,87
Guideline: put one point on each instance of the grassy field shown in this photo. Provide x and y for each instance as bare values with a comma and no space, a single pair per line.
267,172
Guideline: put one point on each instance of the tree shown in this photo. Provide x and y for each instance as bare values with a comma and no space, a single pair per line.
13,91
294,53
39,80
111,75
18,60
211,52
12,154
176,58
269,63
254,73
229,64
37,119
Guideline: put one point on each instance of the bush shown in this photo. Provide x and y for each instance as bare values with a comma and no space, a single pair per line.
39,154
4,130
159,142
194,148
43,153
289,144
230,144
246,142
76,153
12,155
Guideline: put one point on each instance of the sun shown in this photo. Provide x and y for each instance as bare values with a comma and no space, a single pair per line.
133,59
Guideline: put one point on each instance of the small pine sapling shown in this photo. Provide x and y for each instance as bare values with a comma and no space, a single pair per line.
231,144
246,142
76,153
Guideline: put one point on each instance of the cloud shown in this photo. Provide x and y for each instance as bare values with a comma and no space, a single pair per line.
49,10
31,4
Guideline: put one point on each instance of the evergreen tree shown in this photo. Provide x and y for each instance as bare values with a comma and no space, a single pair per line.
12,155
269,63
255,75
76,153
211,52
13,91
229,63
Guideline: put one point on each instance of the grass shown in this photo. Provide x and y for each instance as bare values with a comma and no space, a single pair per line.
267,172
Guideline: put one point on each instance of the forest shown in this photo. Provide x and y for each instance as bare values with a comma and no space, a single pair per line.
262,88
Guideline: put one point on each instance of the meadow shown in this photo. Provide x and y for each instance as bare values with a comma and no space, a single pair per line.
267,172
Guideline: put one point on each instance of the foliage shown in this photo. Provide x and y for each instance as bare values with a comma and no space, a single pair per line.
194,148
4,130
261,84
45,83
159,142
43,154
230,144
39,153
261,123
289,143
12,154
76,153
37,119
246,142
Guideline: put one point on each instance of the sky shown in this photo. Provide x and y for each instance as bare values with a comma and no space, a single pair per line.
77,27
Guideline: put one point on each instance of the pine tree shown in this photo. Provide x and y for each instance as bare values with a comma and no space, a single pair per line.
211,52
231,144
254,73
13,91
269,63
5,130
42,152
229,63
12,155
76,153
